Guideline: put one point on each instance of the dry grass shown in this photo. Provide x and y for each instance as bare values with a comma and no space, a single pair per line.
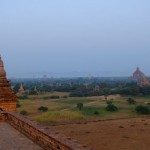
65,109
58,116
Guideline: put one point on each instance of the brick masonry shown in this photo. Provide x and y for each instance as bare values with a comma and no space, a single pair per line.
43,136
8,99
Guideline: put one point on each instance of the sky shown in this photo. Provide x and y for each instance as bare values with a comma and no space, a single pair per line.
74,37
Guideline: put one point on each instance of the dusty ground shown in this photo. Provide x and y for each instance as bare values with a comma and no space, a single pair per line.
123,134
11,139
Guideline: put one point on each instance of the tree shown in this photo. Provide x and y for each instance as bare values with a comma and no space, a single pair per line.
109,102
110,106
24,112
141,109
80,106
23,97
145,90
131,101
18,105
16,88
106,92
96,113
43,108
32,92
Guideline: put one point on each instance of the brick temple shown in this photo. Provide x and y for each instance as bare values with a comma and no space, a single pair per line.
8,99
21,90
43,136
140,77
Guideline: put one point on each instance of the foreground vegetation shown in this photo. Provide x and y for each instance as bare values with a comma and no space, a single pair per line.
68,110
69,100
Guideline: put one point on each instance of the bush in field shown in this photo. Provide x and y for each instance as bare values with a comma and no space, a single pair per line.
106,92
96,113
131,101
43,108
18,105
111,106
54,97
32,92
76,94
141,109
23,97
109,102
80,106
65,96
51,97
24,112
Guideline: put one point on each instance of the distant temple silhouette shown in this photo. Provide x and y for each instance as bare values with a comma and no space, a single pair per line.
140,78
21,90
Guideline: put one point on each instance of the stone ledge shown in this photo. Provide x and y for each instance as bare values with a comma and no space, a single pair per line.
42,135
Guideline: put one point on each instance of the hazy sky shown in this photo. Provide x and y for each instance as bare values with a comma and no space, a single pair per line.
75,37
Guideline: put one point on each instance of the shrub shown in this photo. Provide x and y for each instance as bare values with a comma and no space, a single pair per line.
43,108
47,97
65,96
131,101
24,112
147,103
23,97
18,105
51,97
80,106
111,107
76,94
54,97
141,109
96,113
109,102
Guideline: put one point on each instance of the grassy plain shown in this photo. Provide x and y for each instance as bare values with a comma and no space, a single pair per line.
99,130
64,110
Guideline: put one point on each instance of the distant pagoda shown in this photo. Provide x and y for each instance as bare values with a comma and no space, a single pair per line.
21,90
8,99
140,78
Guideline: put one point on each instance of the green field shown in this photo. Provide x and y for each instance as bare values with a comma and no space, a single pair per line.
64,110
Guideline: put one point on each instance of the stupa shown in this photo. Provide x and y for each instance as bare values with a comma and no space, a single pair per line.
21,90
140,77
8,99
138,74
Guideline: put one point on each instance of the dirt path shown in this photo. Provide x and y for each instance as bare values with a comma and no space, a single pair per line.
97,98
123,134
87,104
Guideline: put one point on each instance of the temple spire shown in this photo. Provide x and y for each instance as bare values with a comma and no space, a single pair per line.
8,98
140,77
138,68
21,89
2,70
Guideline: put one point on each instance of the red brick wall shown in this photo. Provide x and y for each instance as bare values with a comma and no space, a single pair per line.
3,116
43,136
8,106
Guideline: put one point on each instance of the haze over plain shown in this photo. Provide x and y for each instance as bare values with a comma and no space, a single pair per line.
75,38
